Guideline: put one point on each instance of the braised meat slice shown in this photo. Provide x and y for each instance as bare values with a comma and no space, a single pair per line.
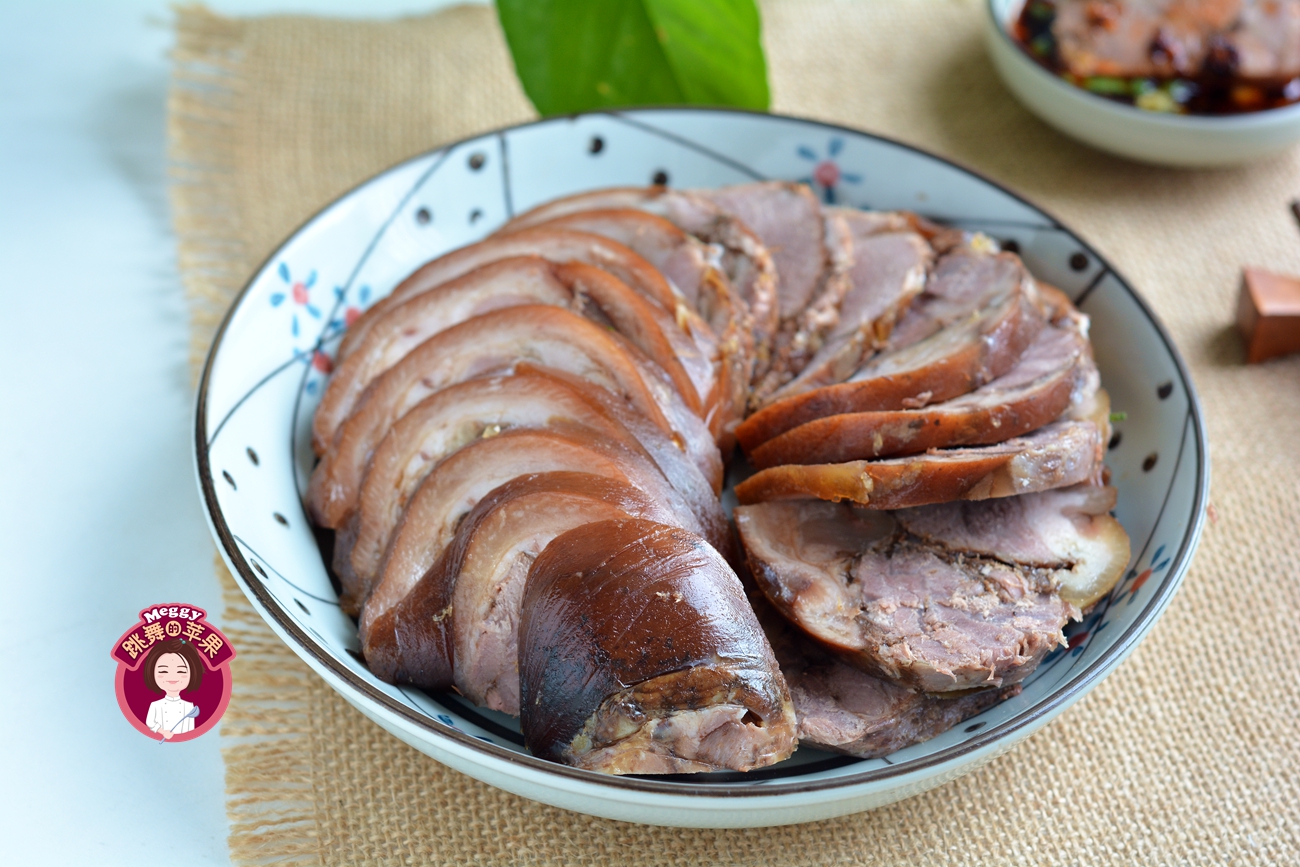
496,341
1068,531
736,249
457,484
977,315
1048,379
478,581
585,289
688,265
1060,454
846,710
456,416
490,559
639,654
1120,38
889,270
913,612
555,245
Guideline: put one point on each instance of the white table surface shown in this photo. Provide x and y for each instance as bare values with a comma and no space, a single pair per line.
99,511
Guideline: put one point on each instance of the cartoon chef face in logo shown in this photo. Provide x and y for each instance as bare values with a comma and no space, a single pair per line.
173,676
172,667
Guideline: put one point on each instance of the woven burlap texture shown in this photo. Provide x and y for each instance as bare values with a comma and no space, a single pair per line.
1188,754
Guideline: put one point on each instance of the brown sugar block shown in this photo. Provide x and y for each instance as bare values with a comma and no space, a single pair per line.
1268,314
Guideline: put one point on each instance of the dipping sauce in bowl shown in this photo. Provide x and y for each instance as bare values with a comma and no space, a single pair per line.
1209,57
1170,82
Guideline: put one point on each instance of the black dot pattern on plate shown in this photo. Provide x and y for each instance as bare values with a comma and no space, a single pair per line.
282,519
974,727
1165,390
303,607
660,178
1078,261
1149,462
597,144
252,456
229,478
423,216
1011,245
257,567
477,160
1115,440
474,216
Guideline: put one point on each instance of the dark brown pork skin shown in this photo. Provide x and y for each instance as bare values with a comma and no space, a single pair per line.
920,615
459,622
496,341
740,254
707,292
460,414
1047,380
639,654
489,562
1062,453
846,710
977,315
456,484
555,245
585,289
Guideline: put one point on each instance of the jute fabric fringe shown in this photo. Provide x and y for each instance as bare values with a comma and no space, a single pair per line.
1188,754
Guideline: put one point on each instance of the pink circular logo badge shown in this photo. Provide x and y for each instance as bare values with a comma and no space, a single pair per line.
173,672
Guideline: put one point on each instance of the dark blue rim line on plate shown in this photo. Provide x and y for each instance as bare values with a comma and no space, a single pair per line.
1062,696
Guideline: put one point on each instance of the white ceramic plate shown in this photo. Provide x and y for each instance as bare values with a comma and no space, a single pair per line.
270,359
1146,136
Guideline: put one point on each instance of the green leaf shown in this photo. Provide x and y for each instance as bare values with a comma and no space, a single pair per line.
577,55
1118,416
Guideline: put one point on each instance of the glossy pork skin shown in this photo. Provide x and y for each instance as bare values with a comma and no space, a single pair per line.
497,341
489,561
1059,454
1049,377
737,250
585,289
638,653
727,340
978,314
460,414
923,616
551,244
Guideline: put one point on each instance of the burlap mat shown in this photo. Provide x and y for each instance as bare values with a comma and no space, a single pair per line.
1187,754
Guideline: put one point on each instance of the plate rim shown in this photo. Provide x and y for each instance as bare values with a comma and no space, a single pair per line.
1060,699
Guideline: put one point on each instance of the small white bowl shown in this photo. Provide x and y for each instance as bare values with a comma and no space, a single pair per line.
1146,136
268,365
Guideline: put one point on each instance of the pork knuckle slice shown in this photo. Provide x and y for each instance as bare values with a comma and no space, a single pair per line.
896,607
709,311
489,561
495,341
977,316
1047,380
554,245
889,270
1068,531
458,415
845,710
1059,454
585,289
741,255
434,513
639,654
